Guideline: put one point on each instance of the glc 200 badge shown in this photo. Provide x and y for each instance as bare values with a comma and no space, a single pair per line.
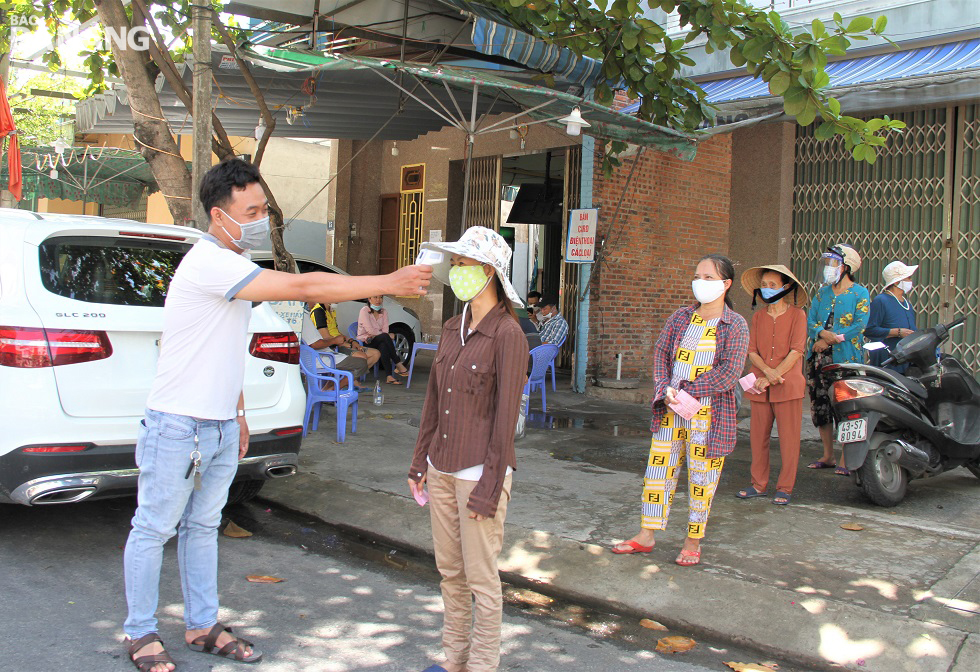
269,371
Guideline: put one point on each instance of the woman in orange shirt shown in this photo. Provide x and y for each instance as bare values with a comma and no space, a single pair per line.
777,342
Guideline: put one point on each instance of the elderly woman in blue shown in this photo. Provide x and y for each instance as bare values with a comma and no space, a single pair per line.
835,326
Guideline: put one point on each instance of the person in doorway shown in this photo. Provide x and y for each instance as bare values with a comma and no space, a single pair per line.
533,298
777,342
465,447
554,328
892,316
195,429
372,331
319,338
835,325
700,353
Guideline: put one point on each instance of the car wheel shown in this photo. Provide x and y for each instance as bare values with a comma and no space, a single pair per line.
404,340
883,481
242,491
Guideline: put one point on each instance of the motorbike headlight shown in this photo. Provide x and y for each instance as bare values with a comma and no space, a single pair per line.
845,390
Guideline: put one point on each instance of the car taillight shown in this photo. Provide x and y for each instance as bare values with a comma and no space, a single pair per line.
288,431
845,390
32,347
67,448
279,347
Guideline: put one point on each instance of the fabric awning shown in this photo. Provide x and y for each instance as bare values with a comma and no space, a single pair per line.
534,102
935,74
105,175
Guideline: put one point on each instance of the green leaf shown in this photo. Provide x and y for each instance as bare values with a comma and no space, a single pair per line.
834,106
859,24
809,113
736,58
880,24
629,42
794,106
779,83
516,3
818,28
825,131
838,19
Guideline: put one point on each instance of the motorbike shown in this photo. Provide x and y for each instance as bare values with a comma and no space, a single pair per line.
895,427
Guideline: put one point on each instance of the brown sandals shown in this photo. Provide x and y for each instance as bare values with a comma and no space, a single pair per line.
234,649
146,663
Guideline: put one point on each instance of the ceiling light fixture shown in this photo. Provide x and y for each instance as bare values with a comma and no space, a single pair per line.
574,123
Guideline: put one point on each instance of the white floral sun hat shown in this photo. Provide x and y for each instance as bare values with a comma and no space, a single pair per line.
480,243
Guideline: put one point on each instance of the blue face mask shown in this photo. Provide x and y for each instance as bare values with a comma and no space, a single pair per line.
769,292
376,308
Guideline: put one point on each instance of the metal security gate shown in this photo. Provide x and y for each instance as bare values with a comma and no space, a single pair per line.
483,197
918,203
570,272
964,242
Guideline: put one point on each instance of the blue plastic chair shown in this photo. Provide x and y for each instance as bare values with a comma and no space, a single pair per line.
315,368
541,357
551,367
415,348
352,333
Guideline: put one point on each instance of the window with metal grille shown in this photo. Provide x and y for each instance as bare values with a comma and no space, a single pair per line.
410,213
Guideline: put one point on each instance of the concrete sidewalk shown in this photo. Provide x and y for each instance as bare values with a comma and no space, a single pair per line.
901,594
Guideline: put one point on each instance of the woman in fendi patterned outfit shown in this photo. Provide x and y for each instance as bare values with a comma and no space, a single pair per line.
700,351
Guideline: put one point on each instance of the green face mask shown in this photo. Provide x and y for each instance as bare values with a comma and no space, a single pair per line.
467,281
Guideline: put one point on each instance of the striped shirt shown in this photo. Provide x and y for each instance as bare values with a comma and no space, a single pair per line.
555,330
732,344
472,404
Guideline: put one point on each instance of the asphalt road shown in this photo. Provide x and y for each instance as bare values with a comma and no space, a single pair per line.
344,605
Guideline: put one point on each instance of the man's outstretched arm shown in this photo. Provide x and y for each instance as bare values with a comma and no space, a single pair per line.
277,286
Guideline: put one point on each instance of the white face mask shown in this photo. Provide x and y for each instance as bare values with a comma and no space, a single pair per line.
905,286
253,234
831,274
706,291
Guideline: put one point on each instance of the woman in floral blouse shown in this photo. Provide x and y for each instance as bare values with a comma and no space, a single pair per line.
835,325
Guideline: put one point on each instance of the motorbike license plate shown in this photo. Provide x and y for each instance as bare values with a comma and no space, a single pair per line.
851,431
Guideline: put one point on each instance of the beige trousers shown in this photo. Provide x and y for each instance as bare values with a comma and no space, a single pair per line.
466,556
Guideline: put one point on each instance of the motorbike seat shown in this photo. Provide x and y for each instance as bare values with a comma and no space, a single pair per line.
914,386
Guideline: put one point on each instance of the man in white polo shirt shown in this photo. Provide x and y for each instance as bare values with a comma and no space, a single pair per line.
195,429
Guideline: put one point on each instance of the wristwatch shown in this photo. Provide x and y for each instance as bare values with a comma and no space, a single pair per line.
241,413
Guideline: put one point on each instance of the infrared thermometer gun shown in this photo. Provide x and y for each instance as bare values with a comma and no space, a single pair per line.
429,257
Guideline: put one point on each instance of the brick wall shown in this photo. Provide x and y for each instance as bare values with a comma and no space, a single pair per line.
673,213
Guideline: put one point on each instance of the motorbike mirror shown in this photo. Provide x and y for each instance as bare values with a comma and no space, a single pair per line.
875,345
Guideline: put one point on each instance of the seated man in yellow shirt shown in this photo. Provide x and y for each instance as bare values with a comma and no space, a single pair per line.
324,318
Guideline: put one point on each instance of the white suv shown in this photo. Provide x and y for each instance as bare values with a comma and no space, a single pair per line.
81,309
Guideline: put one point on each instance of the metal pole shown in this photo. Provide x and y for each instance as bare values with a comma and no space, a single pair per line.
585,274
203,127
469,156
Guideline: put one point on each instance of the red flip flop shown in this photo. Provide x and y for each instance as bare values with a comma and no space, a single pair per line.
634,547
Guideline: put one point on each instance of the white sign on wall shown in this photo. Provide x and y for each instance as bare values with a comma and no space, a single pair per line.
580,243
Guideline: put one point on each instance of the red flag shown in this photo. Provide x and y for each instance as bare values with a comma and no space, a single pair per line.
13,146
14,175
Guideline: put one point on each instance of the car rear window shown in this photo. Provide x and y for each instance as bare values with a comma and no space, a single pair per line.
110,270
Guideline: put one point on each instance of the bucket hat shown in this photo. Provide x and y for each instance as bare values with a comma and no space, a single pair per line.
752,280
477,242
896,272
848,254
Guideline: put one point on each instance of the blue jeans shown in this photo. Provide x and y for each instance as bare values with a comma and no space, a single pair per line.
166,498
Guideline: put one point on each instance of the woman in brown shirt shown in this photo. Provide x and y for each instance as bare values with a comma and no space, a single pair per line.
777,341
465,448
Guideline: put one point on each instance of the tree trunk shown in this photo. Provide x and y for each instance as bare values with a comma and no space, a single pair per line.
150,129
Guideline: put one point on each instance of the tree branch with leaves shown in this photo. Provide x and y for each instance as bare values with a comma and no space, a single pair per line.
639,57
